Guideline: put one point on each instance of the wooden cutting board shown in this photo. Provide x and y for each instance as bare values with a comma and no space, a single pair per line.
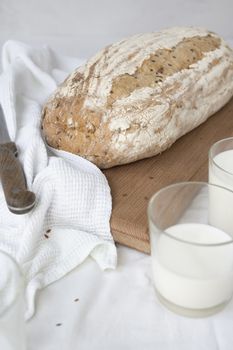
133,184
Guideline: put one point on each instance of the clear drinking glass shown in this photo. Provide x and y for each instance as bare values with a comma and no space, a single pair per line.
191,253
221,163
12,325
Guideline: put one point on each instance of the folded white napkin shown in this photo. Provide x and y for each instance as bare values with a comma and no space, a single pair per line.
73,202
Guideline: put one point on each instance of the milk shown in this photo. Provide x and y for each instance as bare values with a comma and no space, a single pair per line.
225,161
221,202
193,276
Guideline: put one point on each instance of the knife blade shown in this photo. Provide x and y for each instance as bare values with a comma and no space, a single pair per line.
19,200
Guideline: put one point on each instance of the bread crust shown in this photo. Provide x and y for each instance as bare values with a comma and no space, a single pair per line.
135,98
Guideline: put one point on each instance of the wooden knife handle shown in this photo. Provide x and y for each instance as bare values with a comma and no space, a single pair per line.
19,199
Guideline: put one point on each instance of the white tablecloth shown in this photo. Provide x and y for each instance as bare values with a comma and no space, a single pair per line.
119,310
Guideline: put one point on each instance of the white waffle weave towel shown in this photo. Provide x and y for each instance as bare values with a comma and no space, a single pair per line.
71,218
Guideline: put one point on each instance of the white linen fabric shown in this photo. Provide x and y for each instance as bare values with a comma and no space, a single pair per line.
70,220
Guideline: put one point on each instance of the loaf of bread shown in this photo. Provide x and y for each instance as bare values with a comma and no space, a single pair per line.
135,98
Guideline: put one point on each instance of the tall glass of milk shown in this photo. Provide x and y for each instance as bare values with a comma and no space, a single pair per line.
221,173
192,258
12,326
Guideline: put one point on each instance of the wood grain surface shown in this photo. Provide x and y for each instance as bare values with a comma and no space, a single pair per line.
133,184
19,199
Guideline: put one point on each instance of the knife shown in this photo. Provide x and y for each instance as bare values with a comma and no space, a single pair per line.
19,200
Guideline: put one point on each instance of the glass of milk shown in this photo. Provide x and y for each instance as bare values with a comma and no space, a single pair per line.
221,163
221,174
12,326
192,257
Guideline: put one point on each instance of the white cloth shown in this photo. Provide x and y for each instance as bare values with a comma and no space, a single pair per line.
73,196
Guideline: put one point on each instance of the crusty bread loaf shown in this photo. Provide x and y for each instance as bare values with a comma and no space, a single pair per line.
138,96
